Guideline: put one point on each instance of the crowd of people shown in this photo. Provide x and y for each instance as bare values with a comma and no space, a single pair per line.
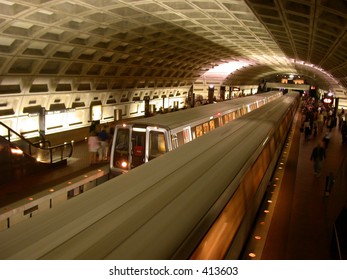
317,122
319,118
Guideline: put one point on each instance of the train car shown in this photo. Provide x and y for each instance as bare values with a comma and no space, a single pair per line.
137,142
196,202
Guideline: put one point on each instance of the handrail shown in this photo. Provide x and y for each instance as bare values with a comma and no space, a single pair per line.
60,147
9,130
50,154
39,143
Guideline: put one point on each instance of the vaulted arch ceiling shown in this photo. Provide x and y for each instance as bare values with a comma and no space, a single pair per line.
140,43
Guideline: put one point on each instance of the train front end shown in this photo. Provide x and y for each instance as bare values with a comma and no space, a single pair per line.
134,145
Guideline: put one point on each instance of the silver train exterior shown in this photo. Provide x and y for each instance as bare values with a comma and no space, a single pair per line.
139,141
196,202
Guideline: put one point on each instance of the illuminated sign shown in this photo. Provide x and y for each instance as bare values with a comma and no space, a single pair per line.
327,100
96,112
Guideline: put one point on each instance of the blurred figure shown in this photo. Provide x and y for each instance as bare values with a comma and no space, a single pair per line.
104,138
317,156
93,147
329,182
307,129
326,139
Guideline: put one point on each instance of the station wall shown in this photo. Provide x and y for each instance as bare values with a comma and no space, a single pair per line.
70,110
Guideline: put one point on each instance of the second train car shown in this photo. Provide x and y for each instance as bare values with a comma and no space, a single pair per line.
139,141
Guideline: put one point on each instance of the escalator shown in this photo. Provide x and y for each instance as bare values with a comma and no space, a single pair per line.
20,157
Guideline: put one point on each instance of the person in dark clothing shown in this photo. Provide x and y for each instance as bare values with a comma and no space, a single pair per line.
326,139
317,156
329,182
103,151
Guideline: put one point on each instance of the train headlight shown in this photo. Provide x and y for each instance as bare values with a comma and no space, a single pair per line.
124,164
16,151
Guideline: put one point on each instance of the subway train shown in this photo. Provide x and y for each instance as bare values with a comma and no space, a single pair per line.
139,141
197,202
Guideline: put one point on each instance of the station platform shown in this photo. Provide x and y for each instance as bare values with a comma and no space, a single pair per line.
302,219
25,187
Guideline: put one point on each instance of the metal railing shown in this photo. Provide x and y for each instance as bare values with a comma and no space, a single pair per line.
42,151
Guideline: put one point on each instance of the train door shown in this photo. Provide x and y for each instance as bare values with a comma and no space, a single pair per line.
156,142
120,154
138,140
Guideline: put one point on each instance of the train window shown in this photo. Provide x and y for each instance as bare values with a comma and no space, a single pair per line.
199,131
138,146
186,134
178,141
266,157
212,126
157,144
220,121
272,146
122,140
121,152
258,171
174,140
248,185
226,119
234,115
221,231
206,127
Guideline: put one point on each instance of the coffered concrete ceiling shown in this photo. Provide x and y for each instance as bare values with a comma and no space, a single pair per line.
140,43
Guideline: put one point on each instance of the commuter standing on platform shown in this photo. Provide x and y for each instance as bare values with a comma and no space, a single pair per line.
317,156
93,147
103,137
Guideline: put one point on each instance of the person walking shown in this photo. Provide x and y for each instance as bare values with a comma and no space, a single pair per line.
329,182
317,156
307,129
326,139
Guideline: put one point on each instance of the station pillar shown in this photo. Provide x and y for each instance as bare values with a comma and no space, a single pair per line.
147,107
210,94
117,114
